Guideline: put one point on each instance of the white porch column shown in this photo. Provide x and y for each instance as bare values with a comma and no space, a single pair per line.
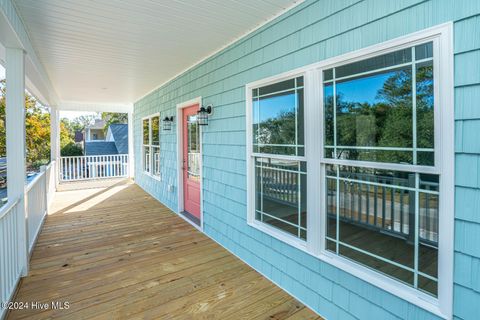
55,141
15,129
131,158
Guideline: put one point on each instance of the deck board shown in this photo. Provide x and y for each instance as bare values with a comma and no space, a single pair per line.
117,253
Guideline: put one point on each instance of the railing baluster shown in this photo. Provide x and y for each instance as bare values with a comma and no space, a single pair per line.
384,205
375,204
359,217
108,166
392,209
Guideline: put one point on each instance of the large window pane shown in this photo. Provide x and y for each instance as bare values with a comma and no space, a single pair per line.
146,131
381,109
281,197
371,219
156,160
278,118
156,131
146,159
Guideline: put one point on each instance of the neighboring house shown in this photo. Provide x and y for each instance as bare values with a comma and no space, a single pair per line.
95,131
116,142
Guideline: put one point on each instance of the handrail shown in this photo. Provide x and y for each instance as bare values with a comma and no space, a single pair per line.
99,155
5,209
34,181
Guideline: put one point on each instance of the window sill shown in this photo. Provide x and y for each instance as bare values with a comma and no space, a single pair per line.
280,235
158,178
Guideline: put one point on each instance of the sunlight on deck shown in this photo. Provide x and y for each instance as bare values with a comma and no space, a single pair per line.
117,253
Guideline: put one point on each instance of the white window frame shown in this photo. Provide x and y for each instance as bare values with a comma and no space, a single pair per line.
442,37
286,237
150,146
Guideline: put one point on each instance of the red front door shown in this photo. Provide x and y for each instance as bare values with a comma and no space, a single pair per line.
191,164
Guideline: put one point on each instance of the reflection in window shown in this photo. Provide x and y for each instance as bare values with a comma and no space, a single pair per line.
146,131
155,122
281,195
146,145
193,148
278,118
381,108
146,159
151,145
278,131
385,220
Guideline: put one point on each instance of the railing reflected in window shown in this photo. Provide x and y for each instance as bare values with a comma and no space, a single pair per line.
375,216
281,190
279,156
382,110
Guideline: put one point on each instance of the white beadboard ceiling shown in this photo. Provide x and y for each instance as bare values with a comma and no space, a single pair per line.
115,51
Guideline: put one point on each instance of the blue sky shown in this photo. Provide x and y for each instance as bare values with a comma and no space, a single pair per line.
357,90
364,89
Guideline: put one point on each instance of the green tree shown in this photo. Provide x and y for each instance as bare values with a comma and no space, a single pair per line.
114,117
37,130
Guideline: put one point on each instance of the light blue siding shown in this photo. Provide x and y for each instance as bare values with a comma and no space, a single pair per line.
311,32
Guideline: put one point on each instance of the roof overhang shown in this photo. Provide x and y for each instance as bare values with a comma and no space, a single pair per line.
108,55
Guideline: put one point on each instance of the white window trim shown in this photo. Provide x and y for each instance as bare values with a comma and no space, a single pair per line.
442,36
150,173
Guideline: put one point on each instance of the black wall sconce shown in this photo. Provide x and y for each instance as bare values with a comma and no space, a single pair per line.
202,115
167,123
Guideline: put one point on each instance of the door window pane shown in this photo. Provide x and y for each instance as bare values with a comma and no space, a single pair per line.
193,148
278,118
281,195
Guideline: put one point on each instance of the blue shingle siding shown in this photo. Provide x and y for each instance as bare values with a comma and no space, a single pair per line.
314,31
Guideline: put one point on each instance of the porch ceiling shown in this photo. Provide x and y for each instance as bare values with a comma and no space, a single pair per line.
115,51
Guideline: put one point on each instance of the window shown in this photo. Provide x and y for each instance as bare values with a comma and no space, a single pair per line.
381,109
151,145
371,135
278,152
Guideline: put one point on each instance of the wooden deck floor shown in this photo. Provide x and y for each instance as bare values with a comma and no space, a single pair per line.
117,253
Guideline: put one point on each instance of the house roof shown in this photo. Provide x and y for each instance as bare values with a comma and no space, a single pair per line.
99,124
120,137
98,148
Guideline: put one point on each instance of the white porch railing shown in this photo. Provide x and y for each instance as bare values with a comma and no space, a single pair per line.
93,167
11,219
39,194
